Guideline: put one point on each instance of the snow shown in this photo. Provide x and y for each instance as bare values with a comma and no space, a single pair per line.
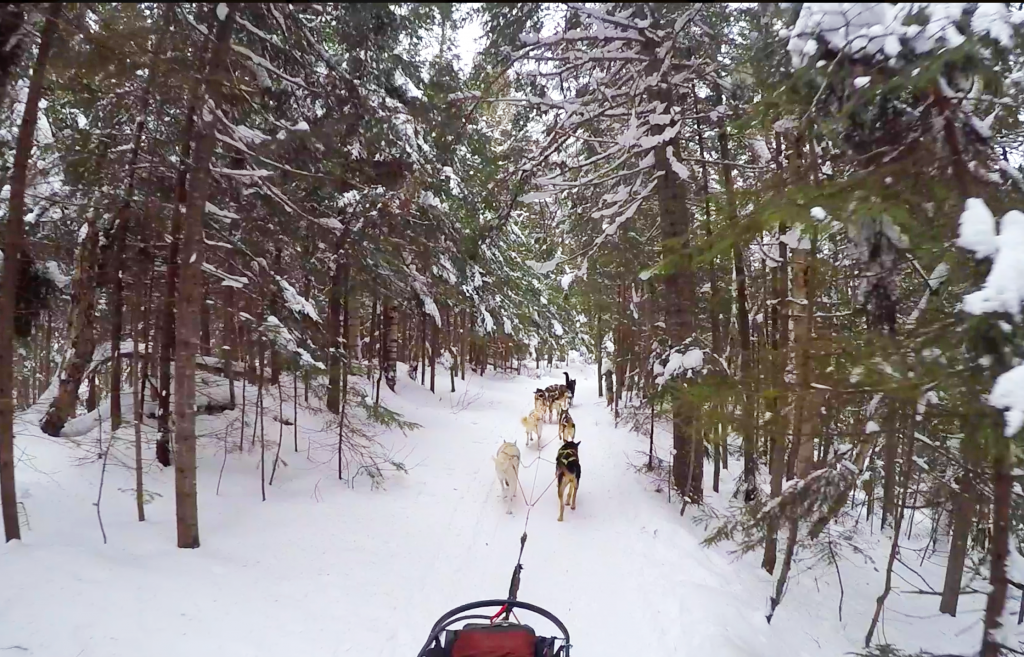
1003,289
52,271
328,567
298,304
760,149
678,167
882,31
872,427
222,11
220,214
428,199
862,81
1008,395
794,239
693,359
977,229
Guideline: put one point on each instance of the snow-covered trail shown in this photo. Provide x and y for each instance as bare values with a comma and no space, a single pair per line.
321,569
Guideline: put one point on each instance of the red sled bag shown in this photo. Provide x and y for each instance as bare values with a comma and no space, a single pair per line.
494,641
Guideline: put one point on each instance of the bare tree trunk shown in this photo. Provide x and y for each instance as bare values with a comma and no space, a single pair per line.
742,324
334,364
186,347
13,250
963,520
346,363
81,328
422,344
433,352
117,317
389,343
802,450
228,348
599,349
464,336
908,454
779,426
138,374
1002,498
168,319
205,344
120,232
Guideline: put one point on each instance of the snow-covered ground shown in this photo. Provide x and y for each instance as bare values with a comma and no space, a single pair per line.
323,569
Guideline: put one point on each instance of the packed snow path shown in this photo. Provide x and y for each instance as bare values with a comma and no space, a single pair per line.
320,569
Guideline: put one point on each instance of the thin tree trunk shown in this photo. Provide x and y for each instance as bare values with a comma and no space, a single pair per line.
1002,498
117,317
141,368
779,427
259,421
908,454
168,319
121,228
205,344
333,329
390,343
13,250
186,347
963,520
742,325
280,433
346,279
802,450
433,352
463,337
229,348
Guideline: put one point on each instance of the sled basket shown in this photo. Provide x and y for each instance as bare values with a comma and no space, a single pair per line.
495,638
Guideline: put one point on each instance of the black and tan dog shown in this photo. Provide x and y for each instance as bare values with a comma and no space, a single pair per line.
567,472
557,398
566,427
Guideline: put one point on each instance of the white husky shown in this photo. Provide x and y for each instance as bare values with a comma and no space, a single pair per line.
506,465
534,424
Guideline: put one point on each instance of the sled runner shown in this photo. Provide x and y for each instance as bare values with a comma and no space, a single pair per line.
494,638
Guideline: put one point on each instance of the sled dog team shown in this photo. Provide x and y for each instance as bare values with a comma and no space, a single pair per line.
548,403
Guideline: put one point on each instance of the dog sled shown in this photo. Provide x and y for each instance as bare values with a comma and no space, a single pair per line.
495,636
498,636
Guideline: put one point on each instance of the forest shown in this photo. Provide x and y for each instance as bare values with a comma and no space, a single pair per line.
785,241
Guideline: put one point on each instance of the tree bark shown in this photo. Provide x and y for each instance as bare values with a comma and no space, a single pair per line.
168,319
679,297
120,233
963,521
389,349
13,249
1002,498
334,313
186,345
908,454
433,351
117,316
742,326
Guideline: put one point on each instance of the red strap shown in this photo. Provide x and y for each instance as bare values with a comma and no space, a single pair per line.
500,612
